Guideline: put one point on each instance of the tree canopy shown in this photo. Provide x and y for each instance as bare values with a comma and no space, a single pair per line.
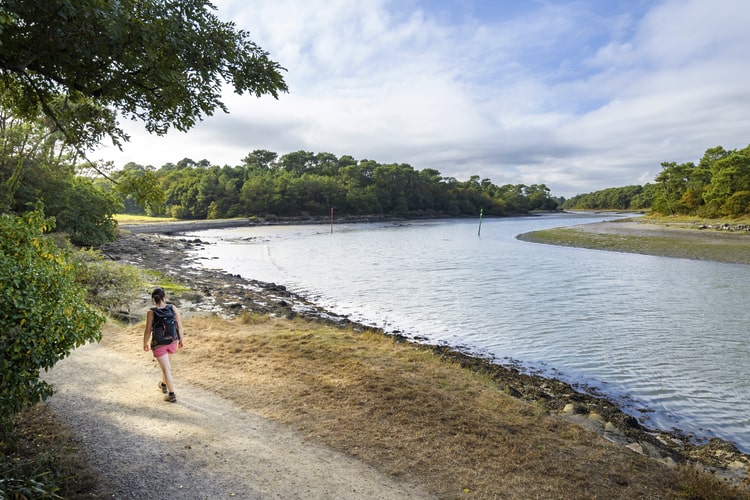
68,67
160,61
303,182
718,186
37,166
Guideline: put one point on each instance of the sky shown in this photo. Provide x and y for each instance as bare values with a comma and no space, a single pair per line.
579,95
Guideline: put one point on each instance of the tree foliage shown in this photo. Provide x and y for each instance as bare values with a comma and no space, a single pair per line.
631,197
713,188
162,62
717,186
36,165
44,314
312,183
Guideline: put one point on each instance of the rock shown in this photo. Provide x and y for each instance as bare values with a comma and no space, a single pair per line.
596,418
610,428
669,461
636,447
574,409
651,450
512,391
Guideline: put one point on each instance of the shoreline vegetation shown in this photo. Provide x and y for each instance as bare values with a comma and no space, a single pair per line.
677,238
462,425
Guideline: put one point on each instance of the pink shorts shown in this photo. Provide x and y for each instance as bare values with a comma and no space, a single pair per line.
161,350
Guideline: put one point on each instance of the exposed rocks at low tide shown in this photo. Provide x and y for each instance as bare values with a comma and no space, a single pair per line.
213,290
725,227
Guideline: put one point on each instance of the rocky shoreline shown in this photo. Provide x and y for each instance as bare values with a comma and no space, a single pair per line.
159,247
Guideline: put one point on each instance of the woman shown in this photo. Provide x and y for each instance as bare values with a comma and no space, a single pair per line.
163,353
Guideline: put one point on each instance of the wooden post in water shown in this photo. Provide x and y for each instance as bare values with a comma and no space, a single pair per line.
331,220
479,232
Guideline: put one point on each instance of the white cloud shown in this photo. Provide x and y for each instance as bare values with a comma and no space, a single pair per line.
560,93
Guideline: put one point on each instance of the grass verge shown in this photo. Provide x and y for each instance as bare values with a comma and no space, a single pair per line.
41,458
141,219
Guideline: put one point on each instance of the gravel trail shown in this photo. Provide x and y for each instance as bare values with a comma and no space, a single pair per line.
201,447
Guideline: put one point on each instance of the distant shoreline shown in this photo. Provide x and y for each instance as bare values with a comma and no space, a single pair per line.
185,226
677,240
176,227
685,241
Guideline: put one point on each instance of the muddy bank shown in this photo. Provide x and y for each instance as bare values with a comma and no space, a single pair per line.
181,227
230,295
719,243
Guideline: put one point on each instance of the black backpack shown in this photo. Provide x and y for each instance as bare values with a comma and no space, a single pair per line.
164,327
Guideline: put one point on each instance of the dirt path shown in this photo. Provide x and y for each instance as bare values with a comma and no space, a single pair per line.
201,447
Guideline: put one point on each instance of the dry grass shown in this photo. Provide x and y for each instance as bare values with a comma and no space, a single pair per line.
42,451
410,413
141,219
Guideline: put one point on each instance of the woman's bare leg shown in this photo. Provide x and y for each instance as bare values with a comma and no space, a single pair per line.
166,371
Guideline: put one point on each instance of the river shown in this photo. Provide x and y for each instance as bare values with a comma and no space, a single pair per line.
667,338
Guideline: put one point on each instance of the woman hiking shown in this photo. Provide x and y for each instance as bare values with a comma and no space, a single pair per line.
163,336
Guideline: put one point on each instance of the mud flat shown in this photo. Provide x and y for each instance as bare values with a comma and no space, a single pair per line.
720,243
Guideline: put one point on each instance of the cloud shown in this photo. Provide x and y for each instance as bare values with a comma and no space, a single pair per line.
579,95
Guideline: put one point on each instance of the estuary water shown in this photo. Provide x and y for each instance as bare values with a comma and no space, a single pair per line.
667,338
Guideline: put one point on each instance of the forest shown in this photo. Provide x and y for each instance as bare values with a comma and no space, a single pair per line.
718,186
306,183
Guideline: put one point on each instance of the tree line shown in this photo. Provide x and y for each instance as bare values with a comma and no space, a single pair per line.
718,186
302,182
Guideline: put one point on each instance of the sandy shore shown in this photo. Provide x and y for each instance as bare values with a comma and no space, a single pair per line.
675,231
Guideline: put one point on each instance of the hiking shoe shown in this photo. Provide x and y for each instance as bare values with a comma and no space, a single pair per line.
170,397
163,387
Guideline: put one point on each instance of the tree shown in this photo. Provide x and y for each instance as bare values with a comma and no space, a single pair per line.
674,180
35,165
88,215
24,145
731,174
298,162
159,61
260,159
258,194
142,186
539,198
44,314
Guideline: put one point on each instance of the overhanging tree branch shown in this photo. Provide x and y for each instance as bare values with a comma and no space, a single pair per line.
69,138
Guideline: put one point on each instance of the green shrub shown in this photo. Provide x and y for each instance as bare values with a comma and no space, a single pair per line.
44,312
108,283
